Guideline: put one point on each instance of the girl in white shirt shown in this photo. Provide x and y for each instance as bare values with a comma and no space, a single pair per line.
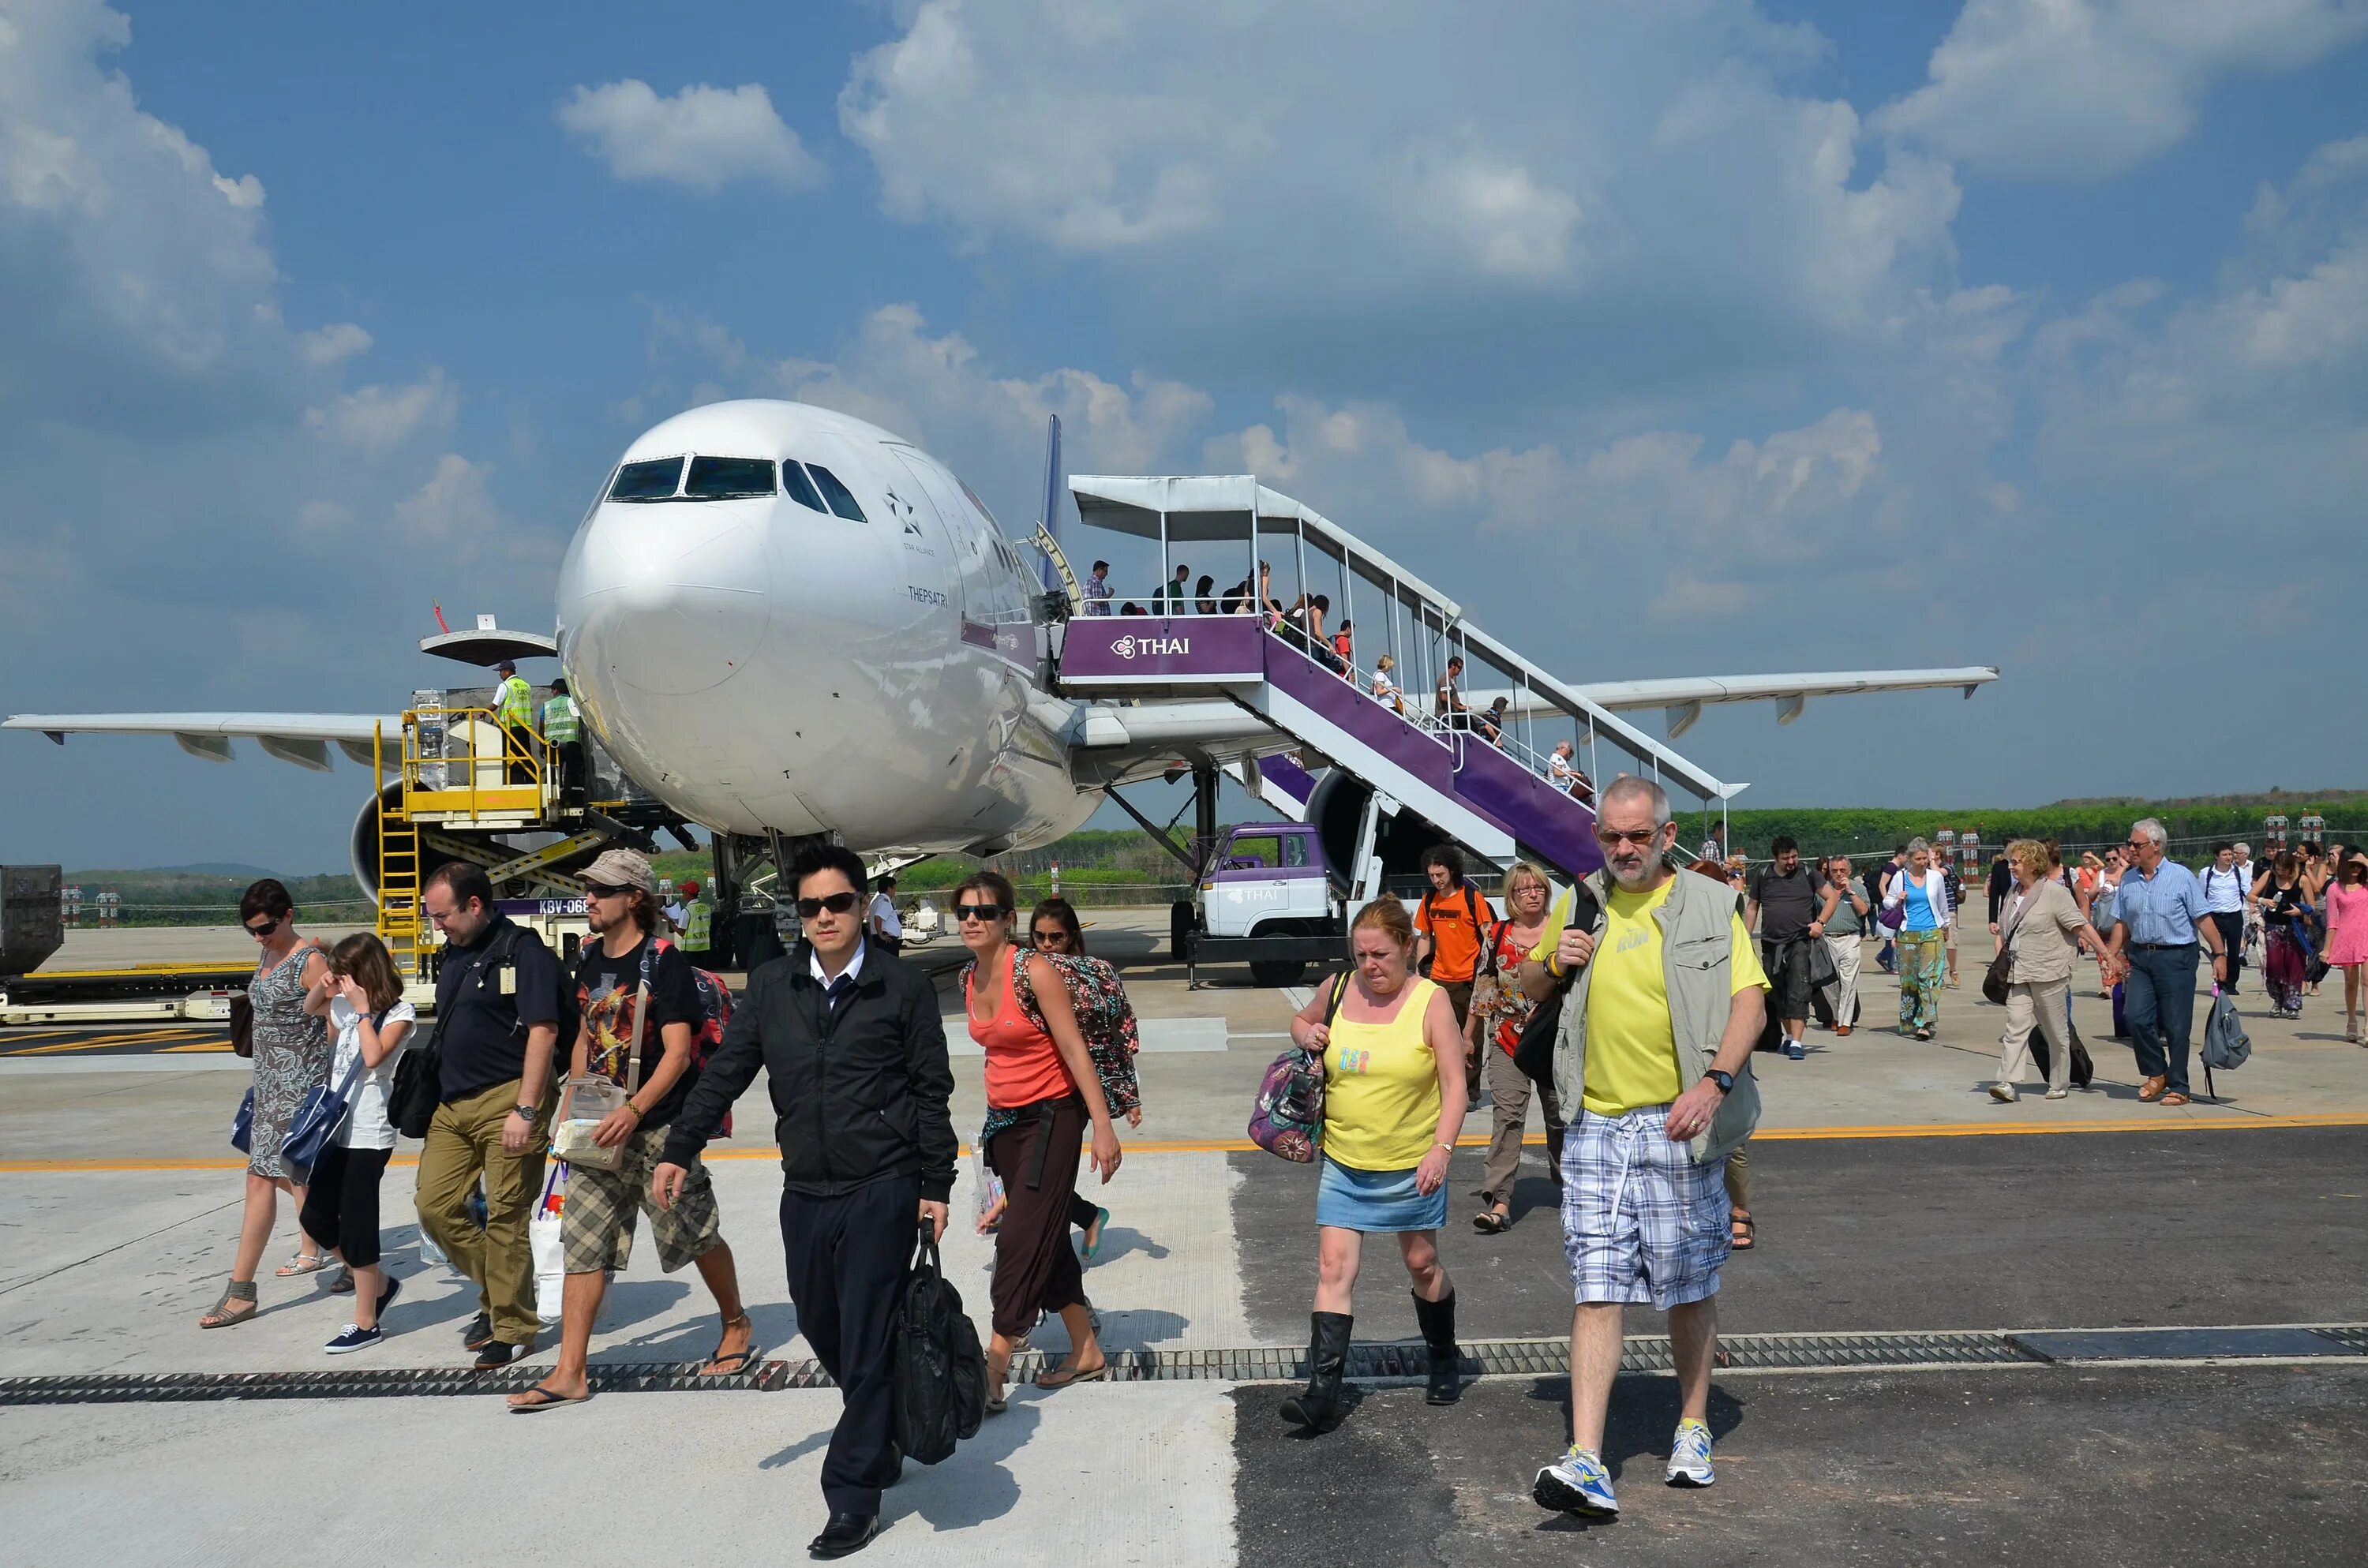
362,998
1386,690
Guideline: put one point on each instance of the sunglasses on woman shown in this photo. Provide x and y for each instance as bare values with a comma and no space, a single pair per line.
836,903
1052,937
979,912
260,932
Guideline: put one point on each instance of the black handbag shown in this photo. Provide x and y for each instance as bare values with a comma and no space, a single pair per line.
1533,1053
941,1371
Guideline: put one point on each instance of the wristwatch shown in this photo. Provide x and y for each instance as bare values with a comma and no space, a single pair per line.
1725,1081
527,1111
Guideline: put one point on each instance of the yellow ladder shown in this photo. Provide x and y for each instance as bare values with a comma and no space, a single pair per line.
398,874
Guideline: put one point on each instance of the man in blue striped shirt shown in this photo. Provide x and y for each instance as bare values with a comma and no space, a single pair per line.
2161,914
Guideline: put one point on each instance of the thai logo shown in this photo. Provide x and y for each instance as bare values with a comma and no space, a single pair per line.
1151,647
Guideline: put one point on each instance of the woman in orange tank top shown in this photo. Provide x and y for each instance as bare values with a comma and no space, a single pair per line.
1047,1075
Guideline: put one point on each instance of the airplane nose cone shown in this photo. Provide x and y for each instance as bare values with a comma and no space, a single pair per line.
669,599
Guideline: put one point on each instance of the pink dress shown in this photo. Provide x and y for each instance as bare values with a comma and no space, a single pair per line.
2347,919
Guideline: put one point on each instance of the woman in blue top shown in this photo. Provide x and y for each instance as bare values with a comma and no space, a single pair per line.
1924,892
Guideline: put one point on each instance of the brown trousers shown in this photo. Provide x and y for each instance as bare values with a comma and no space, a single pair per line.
1035,1268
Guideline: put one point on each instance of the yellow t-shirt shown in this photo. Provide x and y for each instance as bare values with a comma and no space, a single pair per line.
1381,1088
1632,1053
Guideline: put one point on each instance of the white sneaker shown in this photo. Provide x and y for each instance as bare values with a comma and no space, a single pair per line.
1690,1457
2058,1094
2003,1093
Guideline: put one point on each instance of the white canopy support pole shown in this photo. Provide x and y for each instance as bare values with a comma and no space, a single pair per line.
1166,571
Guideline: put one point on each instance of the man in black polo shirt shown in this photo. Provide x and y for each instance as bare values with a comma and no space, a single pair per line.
855,1055
496,1022
1785,900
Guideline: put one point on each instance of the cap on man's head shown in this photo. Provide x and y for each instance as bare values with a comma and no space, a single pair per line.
507,667
690,885
621,868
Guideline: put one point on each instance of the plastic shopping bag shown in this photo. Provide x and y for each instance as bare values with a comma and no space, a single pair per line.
988,1188
542,1235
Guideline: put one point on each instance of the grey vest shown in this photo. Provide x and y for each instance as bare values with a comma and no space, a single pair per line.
1697,939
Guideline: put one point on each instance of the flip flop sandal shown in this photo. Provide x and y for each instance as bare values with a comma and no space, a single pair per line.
2172,1098
1062,1377
342,1285
301,1264
1745,1241
711,1370
544,1398
1488,1222
220,1316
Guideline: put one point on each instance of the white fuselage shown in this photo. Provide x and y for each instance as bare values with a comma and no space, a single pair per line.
761,664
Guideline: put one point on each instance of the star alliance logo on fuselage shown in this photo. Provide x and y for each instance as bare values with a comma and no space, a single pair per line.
1151,647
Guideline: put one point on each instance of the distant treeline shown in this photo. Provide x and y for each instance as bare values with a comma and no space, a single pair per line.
1873,830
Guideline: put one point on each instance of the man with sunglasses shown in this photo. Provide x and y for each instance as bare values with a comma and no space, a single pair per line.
1662,1011
497,1010
855,1056
2160,916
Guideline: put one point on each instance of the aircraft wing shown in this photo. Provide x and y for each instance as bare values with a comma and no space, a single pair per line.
1683,697
302,738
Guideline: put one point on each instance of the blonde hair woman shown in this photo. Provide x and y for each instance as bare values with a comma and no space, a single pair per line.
1495,1031
2042,930
1923,892
1392,1104
1385,685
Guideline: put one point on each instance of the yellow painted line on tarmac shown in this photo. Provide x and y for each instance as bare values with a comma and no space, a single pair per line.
216,1045
1243,1145
105,1039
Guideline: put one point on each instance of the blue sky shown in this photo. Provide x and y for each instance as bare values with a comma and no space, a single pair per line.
1694,337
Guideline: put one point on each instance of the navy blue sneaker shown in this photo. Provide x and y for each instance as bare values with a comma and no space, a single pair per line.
1796,1050
353,1339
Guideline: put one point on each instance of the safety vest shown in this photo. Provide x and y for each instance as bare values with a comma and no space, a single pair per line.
559,720
514,703
695,921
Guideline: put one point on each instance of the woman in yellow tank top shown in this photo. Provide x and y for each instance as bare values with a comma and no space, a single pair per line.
1394,1102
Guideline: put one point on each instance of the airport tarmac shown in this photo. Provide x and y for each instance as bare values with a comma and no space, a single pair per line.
1905,1219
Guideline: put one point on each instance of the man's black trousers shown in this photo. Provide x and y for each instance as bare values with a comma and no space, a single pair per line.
847,1260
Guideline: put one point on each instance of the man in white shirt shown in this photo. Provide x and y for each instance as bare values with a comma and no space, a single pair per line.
879,919
1097,589
2226,889
2248,873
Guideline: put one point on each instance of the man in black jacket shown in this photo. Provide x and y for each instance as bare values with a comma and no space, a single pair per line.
849,1040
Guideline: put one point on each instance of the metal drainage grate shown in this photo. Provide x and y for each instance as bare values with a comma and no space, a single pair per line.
1368,1362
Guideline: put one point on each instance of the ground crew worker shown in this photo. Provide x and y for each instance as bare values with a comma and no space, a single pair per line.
698,923
514,711
563,729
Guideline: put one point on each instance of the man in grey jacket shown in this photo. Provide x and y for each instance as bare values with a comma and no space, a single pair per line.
1663,1007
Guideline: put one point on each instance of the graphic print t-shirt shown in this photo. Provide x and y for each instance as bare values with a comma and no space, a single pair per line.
604,988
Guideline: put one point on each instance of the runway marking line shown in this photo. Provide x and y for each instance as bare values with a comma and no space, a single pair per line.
1242,1146
104,1039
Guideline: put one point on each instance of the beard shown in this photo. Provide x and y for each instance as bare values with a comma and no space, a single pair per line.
1640,875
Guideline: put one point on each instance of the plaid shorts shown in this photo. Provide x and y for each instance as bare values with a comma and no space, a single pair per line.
1641,1221
595,1222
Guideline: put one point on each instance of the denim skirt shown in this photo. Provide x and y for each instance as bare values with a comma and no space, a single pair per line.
1376,1200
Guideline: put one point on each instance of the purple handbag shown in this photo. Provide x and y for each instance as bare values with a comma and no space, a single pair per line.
1287,1120
1893,916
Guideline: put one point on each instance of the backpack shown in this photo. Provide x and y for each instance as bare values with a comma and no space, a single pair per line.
714,1012
1105,1019
1534,1054
941,1371
2226,1043
1287,1118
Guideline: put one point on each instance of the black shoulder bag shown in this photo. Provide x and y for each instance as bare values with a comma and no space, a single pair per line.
1535,1052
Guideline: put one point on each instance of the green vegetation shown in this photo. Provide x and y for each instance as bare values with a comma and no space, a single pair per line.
2192,824
208,896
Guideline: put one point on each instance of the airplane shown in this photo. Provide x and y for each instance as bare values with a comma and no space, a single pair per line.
782,622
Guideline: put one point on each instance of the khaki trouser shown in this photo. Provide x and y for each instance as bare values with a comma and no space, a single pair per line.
464,1141
2040,1005
1509,1087
1842,995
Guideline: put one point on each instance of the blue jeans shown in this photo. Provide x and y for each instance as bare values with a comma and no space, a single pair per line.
2160,1003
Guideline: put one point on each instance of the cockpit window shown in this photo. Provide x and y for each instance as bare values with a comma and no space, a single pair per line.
801,489
842,500
652,481
729,478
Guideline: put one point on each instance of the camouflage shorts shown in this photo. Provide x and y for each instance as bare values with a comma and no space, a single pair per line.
595,1222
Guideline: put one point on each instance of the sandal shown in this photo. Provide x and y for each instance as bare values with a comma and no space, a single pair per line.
304,1263
540,1398
2172,1098
715,1368
1094,1234
1923,1034
1491,1222
220,1316
1741,1236
1062,1377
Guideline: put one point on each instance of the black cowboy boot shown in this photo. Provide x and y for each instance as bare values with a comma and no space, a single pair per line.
1318,1406
1438,1321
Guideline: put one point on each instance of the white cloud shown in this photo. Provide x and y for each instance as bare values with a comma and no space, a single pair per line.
2080,89
702,138
333,344
453,509
1330,164
377,419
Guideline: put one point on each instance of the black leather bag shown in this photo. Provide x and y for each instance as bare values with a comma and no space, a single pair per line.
1533,1053
2084,1071
941,1371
